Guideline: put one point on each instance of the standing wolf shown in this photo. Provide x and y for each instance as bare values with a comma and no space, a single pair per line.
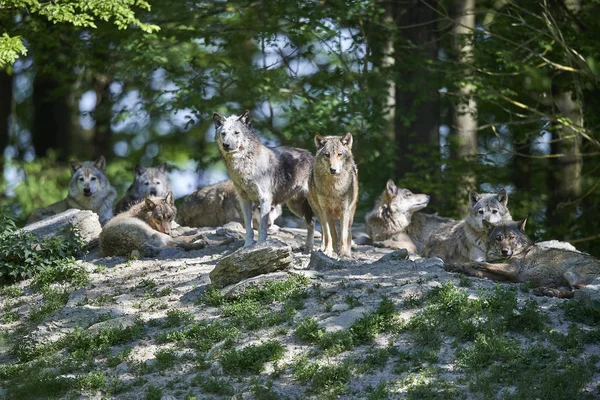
145,227
512,256
146,182
394,221
466,240
89,189
264,175
333,190
216,205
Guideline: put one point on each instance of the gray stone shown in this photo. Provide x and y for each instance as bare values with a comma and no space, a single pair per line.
343,321
590,292
120,322
319,262
261,258
397,255
236,290
85,221
340,307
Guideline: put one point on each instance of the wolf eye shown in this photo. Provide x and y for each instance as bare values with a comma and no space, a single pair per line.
494,211
480,211
146,183
237,132
327,154
81,179
499,238
511,237
158,182
93,178
408,194
339,154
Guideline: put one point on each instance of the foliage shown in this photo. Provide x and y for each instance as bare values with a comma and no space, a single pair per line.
23,255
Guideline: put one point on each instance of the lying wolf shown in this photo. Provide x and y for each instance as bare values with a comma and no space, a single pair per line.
466,240
394,221
333,190
264,175
89,189
146,182
145,228
513,257
216,205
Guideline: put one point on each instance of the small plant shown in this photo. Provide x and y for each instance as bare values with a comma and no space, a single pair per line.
178,318
153,393
251,359
214,385
308,330
165,359
352,301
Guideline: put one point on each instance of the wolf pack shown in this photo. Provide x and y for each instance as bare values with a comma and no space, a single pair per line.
486,243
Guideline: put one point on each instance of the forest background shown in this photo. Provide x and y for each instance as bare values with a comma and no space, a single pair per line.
441,96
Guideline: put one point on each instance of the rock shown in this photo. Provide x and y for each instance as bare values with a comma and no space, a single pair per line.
319,262
557,244
261,258
236,290
401,254
85,221
343,321
120,322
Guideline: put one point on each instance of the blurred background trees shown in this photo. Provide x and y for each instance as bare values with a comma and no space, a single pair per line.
441,95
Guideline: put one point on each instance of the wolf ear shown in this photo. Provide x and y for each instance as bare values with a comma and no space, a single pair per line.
100,163
319,141
390,186
522,225
474,197
162,168
169,199
75,165
487,225
139,170
502,197
150,205
218,119
245,118
347,140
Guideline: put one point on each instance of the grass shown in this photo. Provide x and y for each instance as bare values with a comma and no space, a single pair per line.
252,358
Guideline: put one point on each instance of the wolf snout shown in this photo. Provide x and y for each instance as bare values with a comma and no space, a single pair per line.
153,192
226,146
87,191
506,252
333,170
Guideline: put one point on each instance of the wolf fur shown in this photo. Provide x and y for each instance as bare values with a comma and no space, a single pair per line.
216,205
512,256
89,189
466,240
333,191
146,182
394,221
264,175
145,228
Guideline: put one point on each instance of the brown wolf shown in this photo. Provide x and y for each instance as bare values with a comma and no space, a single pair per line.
394,221
466,240
513,257
264,175
145,227
146,182
216,205
333,190
89,189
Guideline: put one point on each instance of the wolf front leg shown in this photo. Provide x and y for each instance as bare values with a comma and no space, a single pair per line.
246,206
346,236
263,225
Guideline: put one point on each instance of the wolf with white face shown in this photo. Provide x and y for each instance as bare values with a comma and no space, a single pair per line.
146,182
487,207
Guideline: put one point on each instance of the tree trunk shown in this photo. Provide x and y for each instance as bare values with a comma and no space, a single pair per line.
6,81
465,113
103,117
417,117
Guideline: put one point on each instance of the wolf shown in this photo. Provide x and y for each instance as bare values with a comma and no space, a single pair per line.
396,223
264,175
333,190
512,256
146,182
216,205
89,189
145,227
466,240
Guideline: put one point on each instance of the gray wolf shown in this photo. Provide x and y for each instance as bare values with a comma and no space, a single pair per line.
145,228
264,175
466,240
89,189
216,205
396,223
333,190
512,256
146,182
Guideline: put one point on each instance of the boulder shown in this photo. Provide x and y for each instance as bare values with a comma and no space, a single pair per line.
319,261
247,262
85,221
236,290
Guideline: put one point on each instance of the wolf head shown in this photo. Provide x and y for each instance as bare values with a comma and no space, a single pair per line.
333,152
234,133
397,200
487,207
151,181
273,214
87,178
506,239
160,212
